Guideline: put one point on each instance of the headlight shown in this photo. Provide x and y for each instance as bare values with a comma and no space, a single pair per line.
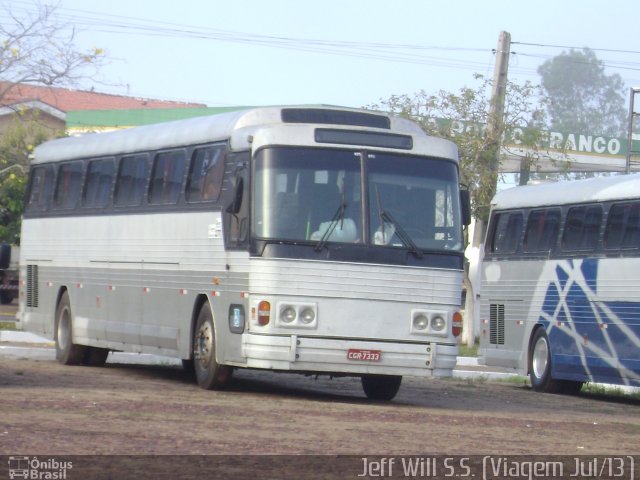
438,323
307,316
420,322
297,315
288,314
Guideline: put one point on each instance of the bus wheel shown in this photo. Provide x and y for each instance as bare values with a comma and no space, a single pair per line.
95,357
209,373
540,364
67,352
381,387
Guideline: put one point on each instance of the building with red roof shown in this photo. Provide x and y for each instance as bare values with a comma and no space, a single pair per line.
51,104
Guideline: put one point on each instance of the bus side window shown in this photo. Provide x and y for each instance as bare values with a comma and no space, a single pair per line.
68,185
542,230
582,228
507,232
623,226
131,181
40,188
97,186
166,177
206,174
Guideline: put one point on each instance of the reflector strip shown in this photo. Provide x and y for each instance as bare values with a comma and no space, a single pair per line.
146,289
183,291
244,294
79,285
111,287
215,294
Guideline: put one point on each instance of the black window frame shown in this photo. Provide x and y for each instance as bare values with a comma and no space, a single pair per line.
88,178
217,170
621,247
140,158
492,244
71,199
168,194
553,239
584,236
45,193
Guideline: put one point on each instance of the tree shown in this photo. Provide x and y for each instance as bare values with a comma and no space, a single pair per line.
462,117
17,143
35,48
581,97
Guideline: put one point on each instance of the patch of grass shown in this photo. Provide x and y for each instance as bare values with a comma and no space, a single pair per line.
466,351
514,379
7,325
609,390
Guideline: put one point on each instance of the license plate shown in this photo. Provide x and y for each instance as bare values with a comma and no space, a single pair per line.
364,355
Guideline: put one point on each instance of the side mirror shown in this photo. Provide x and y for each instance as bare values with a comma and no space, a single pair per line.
465,206
238,192
5,256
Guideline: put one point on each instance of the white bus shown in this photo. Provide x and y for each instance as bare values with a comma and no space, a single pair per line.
311,240
561,281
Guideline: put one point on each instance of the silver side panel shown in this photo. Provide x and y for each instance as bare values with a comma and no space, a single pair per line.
133,281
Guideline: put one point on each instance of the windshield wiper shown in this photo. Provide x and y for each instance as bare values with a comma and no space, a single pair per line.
337,217
402,235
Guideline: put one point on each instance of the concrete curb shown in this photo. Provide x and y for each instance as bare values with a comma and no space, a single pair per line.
13,336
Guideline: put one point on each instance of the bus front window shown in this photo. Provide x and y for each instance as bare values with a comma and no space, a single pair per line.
413,201
315,195
308,195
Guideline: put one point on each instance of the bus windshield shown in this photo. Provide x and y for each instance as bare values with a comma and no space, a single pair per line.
316,195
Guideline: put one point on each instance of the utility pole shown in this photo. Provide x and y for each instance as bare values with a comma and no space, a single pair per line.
496,107
492,155
633,115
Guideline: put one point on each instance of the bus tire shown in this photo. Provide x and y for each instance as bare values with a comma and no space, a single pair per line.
381,387
540,364
210,375
67,352
95,357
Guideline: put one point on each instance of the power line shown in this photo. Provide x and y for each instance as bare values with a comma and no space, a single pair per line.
611,50
118,24
388,52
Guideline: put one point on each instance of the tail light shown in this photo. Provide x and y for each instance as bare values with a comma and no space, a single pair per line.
264,312
456,325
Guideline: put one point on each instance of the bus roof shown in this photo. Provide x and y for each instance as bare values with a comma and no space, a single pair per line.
598,189
210,128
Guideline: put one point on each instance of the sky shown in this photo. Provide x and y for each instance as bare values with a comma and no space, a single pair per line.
338,52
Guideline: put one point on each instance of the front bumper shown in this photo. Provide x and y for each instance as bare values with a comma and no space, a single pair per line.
322,355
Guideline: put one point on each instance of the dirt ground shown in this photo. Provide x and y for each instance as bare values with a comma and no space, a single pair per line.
50,409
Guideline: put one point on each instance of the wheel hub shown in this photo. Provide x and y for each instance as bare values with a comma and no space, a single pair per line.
540,357
204,345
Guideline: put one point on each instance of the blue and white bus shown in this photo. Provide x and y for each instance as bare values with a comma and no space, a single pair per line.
311,240
560,294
